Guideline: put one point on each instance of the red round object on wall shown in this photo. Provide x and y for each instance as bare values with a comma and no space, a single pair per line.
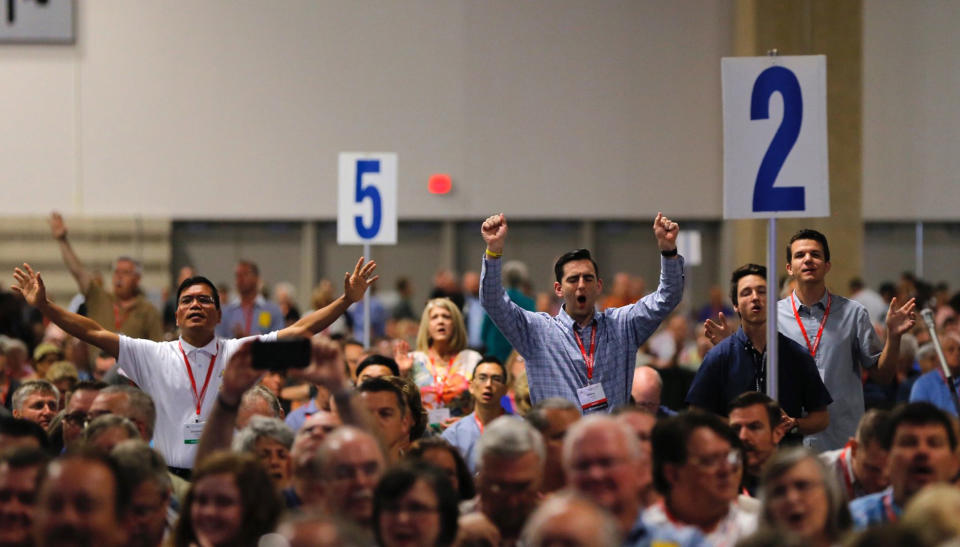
439,183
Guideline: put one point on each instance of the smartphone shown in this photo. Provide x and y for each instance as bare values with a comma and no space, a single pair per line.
281,354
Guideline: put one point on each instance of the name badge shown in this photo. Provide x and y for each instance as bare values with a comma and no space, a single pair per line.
192,432
592,398
438,415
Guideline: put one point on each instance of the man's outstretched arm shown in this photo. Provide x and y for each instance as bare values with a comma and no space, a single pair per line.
79,272
30,285
354,286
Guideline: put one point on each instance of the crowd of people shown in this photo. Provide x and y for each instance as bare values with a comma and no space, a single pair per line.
491,416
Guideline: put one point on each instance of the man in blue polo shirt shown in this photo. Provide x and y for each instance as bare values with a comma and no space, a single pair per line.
739,363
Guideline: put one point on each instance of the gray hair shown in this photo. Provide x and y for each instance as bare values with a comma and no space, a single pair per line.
908,346
537,416
510,437
594,421
137,266
139,463
838,515
263,393
514,273
103,423
140,406
30,387
606,532
13,344
261,426
926,351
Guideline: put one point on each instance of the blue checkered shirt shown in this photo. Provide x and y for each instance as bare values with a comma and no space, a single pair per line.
555,364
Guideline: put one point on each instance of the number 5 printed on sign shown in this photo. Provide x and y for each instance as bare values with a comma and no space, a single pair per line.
775,137
367,199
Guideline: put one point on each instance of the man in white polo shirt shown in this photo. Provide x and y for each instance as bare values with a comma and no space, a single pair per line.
181,374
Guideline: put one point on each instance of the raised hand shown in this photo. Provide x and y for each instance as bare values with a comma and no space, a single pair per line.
401,354
666,231
239,375
29,285
356,283
901,319
57,227
715,331
494,232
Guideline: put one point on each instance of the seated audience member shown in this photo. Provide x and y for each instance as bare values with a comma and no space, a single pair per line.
64,376
44,356
802,498
755,419
82,500
646,390
443,455
922,445
131,403
108,431
569,519
258,401
376,366
16,432
269,439
414,505
151,518
510,457
388,407
20,471
78,403
303,472
641,422
697,467
601,456
552,417
738,363
488,385
37,401
314,529
860,467
232,501
411,395
932,513
932,386
349,464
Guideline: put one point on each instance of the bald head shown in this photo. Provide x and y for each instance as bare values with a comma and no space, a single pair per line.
646,389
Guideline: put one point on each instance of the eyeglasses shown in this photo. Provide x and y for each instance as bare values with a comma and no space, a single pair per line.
76,418
347,472
413,508
484,378
712,462
203,299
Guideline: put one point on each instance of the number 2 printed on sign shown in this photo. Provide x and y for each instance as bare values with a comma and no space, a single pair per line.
765,196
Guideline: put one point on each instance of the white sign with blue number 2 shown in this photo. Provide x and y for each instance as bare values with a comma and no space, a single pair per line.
775,137
367,199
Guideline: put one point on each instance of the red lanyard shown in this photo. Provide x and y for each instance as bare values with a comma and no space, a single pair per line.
193,383
847,479
118,318
479,423
247,318
588,357
816,343
888,507
437,379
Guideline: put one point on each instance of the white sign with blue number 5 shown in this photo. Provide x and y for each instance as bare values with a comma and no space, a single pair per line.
775,137
367,199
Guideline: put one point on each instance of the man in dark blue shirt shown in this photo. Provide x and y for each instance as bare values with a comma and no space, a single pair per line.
738,363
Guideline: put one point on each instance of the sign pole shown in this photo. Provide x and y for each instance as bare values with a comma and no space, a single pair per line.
918,250
366,303
772,298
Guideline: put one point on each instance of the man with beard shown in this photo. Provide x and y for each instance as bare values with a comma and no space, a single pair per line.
488,385
20,470
922,445
756,420
83,502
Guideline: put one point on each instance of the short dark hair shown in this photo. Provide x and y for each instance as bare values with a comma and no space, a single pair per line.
493,360
808,233
250,264
377,359
750,398
397,481
464,477
570,256
378,385
411,395
122,491
84,385
873,426
671,435
19,427
918,413
199,280
740,273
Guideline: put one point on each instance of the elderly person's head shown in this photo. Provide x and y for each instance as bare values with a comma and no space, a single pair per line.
145,473
129,402
801,497
37,401
569,519
109,430
269,439
258,401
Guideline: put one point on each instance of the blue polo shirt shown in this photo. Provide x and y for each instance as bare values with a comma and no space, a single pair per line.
731,368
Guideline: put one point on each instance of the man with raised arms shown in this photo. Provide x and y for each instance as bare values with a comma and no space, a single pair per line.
180,375
581,355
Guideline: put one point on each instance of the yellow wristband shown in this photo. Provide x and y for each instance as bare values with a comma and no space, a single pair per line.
492,254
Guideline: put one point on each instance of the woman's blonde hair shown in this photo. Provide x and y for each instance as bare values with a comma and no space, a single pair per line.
458,338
